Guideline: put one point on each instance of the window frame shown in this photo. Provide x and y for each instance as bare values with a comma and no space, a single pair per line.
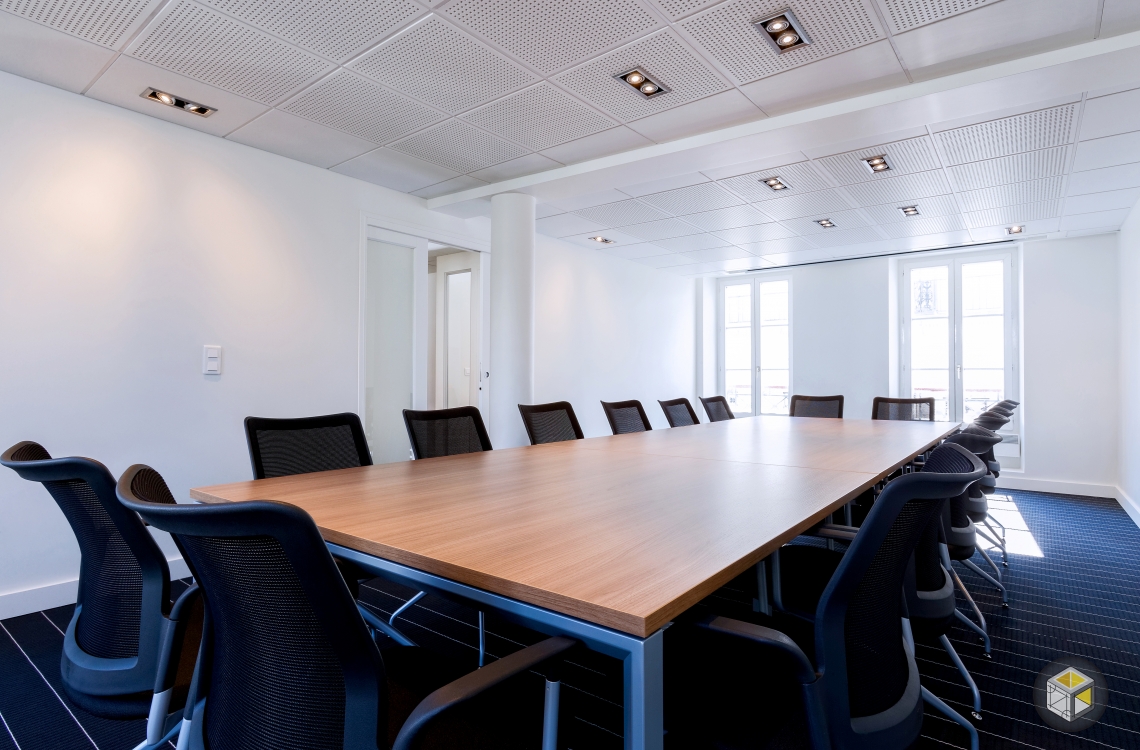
1011,322
753,280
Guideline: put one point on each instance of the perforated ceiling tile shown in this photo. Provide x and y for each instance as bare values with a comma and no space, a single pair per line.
621,213
663,57
690,242
801,177
726,34
756,233
203,44
921,226
439,64
904,157
539,117
333,28
552,34
910,14
459,147
1014,214
905,187
1011,195
807,204
1033,165
104,22
693,199
680,8
727,218
938,205
661,229
842,219
1044,128
846,237
350,103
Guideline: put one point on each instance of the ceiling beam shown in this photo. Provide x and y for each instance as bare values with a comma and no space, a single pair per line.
1075,53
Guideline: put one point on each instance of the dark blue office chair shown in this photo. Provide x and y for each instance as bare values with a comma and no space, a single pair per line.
446,432
128,652
679,412
977,507
626,417
287,662
862,691
550,423
717,408
826,407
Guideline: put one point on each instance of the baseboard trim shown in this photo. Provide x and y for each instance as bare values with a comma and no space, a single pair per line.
1005,481
1130,506
16,603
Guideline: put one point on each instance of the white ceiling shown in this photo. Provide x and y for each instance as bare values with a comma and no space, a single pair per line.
433,97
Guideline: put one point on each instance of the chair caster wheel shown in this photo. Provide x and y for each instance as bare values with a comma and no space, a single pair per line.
988,655
1005,565
1005,605
977,716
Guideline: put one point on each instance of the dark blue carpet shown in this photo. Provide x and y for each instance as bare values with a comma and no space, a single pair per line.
1080,597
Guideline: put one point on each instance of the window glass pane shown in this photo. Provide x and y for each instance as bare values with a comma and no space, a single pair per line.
775,359
738,347
774,347
983,341
930,343
980,390
929,288
933,384
774,303
774,391
982,288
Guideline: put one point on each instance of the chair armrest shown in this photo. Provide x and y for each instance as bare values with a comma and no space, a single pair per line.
472,685
766,637
833,531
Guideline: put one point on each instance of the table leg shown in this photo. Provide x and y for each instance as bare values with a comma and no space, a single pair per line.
645,694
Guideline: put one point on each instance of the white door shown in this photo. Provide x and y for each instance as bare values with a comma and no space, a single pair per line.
389,333
755,372
459,370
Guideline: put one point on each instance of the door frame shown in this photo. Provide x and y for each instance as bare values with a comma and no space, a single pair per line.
755,280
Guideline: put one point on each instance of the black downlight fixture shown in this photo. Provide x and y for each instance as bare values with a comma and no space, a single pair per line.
178,102
640,82
783,31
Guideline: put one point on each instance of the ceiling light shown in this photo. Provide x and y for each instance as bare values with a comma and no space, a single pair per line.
876,164
774,182
825,223
177,102
909,210
783,31
600,239
1015,229
640,81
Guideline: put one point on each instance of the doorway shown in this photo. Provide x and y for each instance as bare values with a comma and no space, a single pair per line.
457,378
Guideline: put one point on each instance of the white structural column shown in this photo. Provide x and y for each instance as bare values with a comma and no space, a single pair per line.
512,316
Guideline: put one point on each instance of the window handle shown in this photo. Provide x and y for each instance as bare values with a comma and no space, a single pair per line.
959,369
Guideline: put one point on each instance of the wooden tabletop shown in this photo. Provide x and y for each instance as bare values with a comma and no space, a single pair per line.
625,531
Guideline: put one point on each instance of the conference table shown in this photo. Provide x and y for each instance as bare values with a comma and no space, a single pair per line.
607,539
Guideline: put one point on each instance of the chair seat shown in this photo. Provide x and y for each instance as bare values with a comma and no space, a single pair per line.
805,572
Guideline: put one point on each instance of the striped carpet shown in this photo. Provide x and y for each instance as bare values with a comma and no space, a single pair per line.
1074,581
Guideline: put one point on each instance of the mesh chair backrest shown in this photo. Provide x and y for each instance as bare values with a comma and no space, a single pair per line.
717,408
817,406
288,653
903,409
626,417
928,572
550,423
679,412
283,447
871,578
110,574
446,432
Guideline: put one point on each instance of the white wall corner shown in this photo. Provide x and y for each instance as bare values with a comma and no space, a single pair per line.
16,603
1130,506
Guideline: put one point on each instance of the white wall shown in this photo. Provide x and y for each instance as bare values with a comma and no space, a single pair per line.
608,329
1129,446
1070,374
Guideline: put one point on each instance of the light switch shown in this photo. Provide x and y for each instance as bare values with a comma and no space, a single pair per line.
211,360
466,370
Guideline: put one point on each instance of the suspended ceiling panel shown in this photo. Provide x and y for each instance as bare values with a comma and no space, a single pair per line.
690,243
1010,135
725,33
809,226
539,117
904,157
621,213
550,35
1019,192
459,146
105,22
661,56
727,218
838,237
1034,165
807,204
438,64
332,28
753,234
694,199
798,178
1014,214
888,213
661,229
924,225
904,15
903,188
203,44
347,102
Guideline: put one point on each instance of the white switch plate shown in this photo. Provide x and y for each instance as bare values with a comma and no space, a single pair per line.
211,360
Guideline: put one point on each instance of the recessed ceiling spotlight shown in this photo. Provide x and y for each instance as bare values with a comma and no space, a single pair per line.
909,210
783,31
601,240
641,81
1015,229
775,183
825,223
178,102
876,164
